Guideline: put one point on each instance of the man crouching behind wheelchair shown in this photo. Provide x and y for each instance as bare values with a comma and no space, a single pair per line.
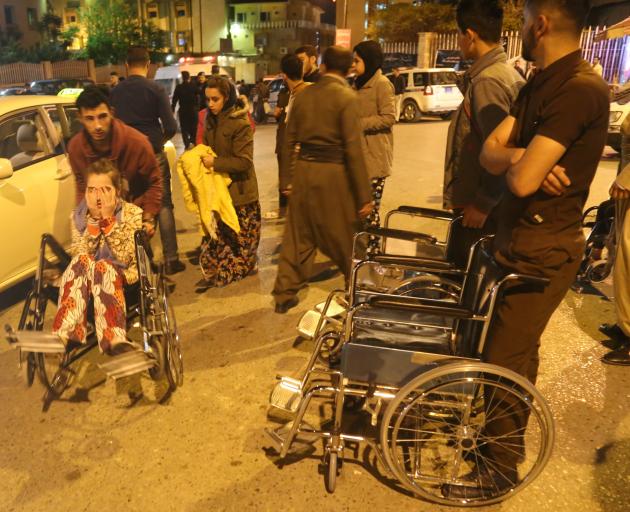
103,262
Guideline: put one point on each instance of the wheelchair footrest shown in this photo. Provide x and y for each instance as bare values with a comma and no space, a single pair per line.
309,321
286,395
38,341
127,364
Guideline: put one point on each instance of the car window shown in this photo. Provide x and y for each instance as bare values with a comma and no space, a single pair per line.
23,139
65,119
444,78
420,79
275,85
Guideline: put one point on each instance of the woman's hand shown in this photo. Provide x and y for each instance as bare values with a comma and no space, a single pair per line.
108,202
365,211
208,161
91,200
618,193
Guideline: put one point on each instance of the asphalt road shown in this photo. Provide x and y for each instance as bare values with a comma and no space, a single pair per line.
203,448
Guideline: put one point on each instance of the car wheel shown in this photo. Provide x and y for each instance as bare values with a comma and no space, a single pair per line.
410,112
446,116
616,147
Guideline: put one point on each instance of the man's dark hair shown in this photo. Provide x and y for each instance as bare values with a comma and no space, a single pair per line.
573,11
137,56
484,17
337,58
91,97
291,66
185,76
113,73
309,49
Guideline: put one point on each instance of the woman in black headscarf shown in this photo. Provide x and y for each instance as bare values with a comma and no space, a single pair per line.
231,256
378,116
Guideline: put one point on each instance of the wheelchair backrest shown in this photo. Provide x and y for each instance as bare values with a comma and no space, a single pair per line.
483,274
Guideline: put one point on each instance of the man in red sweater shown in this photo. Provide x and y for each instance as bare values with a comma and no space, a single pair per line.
105,137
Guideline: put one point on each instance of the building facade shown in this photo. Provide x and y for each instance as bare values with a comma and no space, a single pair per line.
21,18
273,29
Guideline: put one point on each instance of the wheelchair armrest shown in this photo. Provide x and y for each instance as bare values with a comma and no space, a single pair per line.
427,212
428,263
526,279
419,305
400,234
49,241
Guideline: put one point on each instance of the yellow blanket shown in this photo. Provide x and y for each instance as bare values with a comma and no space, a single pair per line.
206,191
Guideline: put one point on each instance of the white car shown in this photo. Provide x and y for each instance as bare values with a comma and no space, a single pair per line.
619,110
37,188
429,91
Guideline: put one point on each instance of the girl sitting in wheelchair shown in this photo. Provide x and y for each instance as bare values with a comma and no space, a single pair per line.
103,262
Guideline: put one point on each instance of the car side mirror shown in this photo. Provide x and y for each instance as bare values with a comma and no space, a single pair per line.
6,169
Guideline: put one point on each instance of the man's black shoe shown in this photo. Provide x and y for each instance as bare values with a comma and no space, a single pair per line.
619,357
283,307
614,344
173,267
614,331
482,483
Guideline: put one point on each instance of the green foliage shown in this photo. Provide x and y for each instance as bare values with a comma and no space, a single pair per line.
402,21
112,27
12,51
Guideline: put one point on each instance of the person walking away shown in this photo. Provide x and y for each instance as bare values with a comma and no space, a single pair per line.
103,262
548,149
186,95
103,136
620,192
597,67
330,188
400,85
144,105
231,256
490,88
201,94
308,55
377,117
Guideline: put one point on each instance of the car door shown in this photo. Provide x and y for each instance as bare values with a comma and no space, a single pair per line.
34,199
447,94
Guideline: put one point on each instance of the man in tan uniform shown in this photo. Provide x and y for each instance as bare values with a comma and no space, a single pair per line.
330,186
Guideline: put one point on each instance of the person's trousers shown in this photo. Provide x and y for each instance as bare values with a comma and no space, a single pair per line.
322,215
100,279
188,125
513,341
621,270
398,103
166,217
463,239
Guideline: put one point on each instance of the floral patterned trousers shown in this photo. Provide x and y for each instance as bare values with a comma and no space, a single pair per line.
374,219
82,278
232,256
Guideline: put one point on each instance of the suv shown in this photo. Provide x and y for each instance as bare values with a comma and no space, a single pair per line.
429,91
52,87
619,110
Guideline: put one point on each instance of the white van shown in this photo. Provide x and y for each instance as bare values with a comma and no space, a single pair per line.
169,76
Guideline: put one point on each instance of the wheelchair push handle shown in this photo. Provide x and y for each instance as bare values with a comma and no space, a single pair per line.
527,279
427,212
400,234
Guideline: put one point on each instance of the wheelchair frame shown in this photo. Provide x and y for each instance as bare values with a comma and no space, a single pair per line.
160,338
295,395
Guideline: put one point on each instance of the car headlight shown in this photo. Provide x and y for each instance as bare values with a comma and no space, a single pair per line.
614,117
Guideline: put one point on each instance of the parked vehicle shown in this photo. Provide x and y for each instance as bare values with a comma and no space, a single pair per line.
37,189
619,110
52,87
13,91
429,91
169,76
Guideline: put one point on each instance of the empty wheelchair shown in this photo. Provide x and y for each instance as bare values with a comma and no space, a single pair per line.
150,317
415,363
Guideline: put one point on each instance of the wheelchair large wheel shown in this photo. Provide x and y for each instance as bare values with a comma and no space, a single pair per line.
174,366
429,287
443,425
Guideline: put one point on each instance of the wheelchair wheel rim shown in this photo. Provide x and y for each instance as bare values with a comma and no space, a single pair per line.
174,363
412,453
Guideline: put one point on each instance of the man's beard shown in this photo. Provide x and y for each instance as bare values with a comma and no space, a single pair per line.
529,43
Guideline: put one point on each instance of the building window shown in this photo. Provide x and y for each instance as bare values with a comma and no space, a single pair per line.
181,11
31,16
241,17
152,11
265,16
8,15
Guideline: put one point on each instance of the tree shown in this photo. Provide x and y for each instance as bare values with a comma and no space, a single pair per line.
112,26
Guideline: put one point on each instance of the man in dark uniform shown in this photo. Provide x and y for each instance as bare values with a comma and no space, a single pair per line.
201,90
330,188
186,95
548,149
400,85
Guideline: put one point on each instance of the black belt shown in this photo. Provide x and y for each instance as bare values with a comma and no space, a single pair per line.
325,153
376,131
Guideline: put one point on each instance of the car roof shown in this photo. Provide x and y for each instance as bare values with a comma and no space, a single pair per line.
427,70
11,103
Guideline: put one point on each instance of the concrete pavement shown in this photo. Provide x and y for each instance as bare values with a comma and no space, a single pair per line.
204,449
